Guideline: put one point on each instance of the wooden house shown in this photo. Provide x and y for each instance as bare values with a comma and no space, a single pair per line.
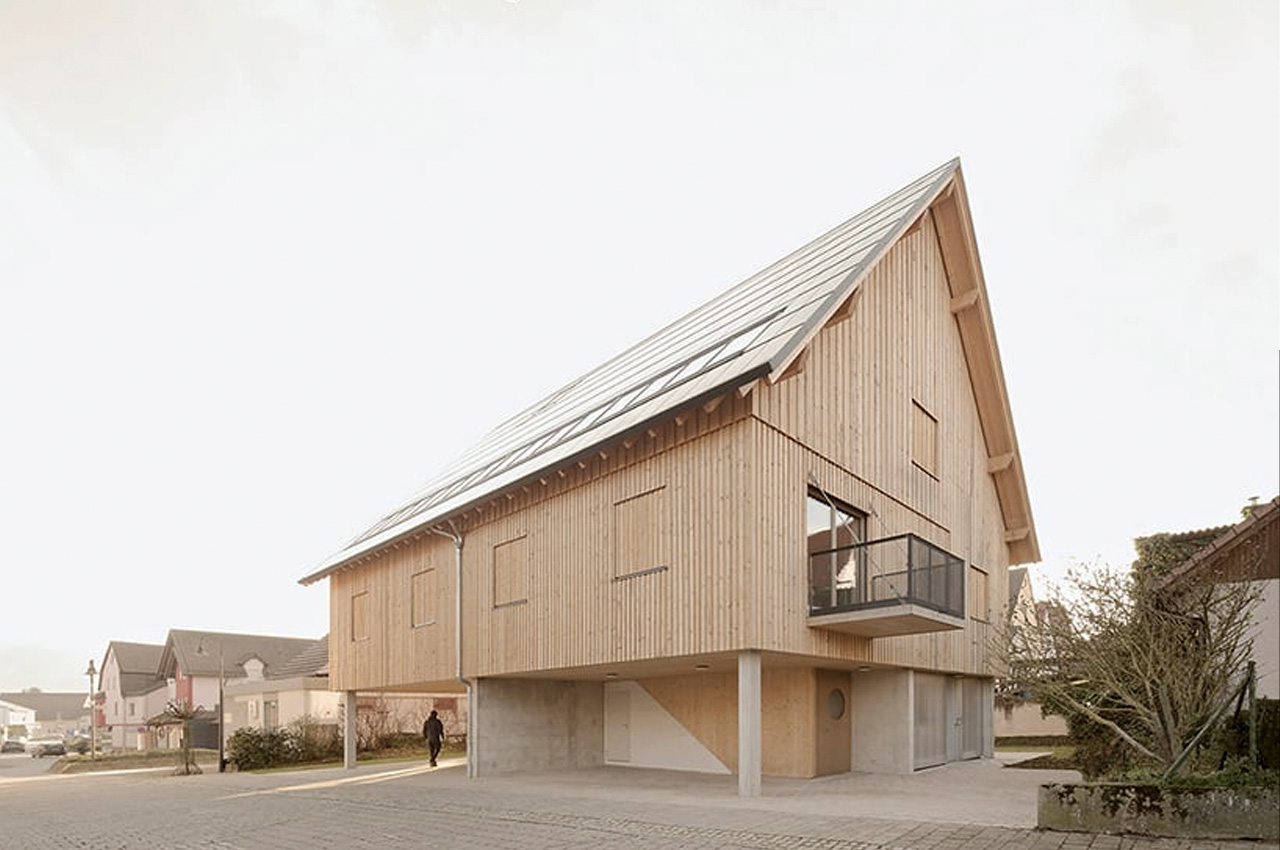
787,517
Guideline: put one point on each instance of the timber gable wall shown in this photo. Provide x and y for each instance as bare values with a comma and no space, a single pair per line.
730,484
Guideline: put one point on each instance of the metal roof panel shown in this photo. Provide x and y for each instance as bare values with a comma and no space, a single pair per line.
749,331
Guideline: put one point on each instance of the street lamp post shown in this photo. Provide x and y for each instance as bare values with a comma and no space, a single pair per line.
222,712
93,714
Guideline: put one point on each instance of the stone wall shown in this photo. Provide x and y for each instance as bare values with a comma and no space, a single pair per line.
1151,810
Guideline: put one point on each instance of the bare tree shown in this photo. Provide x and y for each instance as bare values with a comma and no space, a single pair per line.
1155,667
182,712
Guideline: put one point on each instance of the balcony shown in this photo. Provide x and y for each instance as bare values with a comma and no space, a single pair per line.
899,585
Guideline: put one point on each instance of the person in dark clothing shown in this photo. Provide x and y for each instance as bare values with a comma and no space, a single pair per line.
433,731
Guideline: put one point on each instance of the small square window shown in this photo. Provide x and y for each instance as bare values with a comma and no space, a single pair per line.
640,537
360,616
924,439
979,598
422,597
511,572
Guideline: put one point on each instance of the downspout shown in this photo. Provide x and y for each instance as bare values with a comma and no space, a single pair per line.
456,537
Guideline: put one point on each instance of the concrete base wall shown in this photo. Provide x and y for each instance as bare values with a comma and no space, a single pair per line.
536,725
882,721
1025,721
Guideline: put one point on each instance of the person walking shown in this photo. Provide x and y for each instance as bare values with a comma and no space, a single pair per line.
433,731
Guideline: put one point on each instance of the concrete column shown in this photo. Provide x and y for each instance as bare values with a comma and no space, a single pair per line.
473,753
349,729
988,718
749,723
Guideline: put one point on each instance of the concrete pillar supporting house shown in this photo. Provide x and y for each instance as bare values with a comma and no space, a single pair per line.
749,723
473,742
348,729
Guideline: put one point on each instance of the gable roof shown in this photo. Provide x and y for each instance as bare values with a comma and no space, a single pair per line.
196,653
139,665
13,706
753,331
312,661
1248,550
50,706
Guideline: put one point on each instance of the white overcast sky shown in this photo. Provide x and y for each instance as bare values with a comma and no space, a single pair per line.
265,268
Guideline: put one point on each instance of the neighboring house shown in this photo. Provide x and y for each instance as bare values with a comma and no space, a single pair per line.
197,661
1248,551
295,689
16,721
56,714
1018,716
132,690
784,518
300,689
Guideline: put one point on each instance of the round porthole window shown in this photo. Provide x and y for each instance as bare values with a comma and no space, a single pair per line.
835,704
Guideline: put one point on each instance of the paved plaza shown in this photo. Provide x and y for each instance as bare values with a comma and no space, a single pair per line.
970,806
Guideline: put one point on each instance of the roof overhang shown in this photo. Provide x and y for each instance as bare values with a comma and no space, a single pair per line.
972,312
1248,551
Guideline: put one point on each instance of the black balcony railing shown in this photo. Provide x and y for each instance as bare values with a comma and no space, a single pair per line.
903,569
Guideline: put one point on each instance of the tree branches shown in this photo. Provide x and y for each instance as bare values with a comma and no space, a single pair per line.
1153,667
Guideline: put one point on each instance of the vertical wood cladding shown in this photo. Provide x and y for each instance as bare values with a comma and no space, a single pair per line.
725,487
854,420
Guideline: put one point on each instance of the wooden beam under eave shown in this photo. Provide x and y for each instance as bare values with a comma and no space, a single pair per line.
999,463
967,301
710,407
796,367
955,245
1012,535
845,310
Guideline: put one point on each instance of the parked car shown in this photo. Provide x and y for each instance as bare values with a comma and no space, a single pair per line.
13,747
46,747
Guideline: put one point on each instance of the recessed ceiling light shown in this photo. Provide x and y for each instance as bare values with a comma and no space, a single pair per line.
611,675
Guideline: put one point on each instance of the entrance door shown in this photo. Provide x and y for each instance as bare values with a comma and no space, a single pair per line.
834,738
617,724
930,709
974,693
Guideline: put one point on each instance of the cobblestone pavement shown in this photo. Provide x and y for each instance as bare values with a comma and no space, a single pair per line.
412,806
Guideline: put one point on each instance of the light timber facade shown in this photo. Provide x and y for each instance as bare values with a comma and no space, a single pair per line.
786,518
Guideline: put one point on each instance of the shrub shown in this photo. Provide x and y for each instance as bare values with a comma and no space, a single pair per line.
303,740
315,741
253,749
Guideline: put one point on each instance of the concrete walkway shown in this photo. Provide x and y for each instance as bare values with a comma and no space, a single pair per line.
968,806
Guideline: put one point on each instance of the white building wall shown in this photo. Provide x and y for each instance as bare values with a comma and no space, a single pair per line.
1266,639
204,691
113,702
15,715
639,732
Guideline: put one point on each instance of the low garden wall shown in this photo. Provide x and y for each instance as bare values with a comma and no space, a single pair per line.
1153,810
